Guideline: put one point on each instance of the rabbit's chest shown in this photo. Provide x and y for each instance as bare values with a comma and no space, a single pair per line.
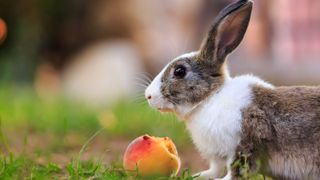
217,133
216,124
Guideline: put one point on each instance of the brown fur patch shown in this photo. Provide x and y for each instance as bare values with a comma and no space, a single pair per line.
283,124
226,32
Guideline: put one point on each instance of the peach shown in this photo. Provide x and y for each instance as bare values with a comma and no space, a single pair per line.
3,30
151,156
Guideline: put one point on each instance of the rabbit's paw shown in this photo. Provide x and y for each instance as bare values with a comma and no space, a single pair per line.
227,177
205,175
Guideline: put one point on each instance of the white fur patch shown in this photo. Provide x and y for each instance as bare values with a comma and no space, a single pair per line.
216,124
157,101
187,55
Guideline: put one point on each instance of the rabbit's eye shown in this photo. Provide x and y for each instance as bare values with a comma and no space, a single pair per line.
180,71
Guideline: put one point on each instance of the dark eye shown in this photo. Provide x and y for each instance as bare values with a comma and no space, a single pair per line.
180,71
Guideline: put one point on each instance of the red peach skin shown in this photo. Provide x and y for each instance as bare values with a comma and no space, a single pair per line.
151,156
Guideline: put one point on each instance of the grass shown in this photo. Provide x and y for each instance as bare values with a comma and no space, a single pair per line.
58,138
22,108
33,130
23,167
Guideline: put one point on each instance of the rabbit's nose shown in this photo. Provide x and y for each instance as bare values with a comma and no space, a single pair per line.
148,97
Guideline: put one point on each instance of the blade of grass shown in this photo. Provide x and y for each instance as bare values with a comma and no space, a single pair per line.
3,139
85,145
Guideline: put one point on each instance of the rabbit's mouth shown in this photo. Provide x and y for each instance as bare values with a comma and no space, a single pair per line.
162,105
165,109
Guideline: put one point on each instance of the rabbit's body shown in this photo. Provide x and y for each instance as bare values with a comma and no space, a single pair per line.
237,121
250,116
283,124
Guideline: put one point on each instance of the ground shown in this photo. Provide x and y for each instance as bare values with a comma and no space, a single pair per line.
57,138
61,139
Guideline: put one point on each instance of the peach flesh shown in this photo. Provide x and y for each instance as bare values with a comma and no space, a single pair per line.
151,156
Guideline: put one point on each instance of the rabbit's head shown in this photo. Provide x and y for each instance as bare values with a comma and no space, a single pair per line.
190,78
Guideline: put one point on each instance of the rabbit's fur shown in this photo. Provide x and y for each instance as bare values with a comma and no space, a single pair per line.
237,121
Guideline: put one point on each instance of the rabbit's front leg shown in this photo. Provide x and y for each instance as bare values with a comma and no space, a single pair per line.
216,169
228,176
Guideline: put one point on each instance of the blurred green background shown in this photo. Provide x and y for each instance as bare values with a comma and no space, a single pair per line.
70,68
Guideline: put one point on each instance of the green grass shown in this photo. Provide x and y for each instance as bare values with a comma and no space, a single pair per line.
36,132
22,167
22,108
26,118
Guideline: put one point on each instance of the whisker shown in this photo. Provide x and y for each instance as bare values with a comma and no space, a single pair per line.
138,99
138,96
141,102
137,80
141,82
143,75
147,77
138,93
141,85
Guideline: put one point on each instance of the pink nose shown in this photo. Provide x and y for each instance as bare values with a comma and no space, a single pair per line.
149,97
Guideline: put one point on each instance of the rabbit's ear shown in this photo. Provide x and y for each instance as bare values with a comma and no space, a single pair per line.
227,32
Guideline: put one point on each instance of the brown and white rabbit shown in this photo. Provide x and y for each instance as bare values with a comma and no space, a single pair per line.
231,118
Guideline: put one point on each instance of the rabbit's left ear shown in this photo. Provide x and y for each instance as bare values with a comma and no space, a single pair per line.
228,31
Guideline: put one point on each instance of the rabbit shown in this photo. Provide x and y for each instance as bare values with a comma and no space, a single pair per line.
242,120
